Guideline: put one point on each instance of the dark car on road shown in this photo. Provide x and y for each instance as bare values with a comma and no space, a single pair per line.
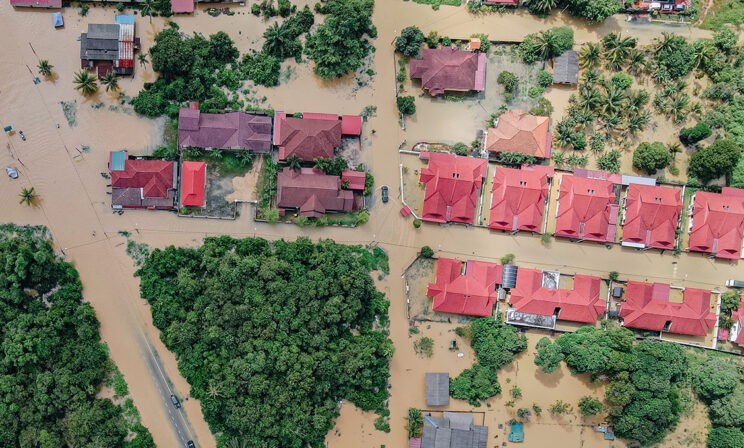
385,197
190,444
175,401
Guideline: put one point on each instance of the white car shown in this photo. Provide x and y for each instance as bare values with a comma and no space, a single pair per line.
12,172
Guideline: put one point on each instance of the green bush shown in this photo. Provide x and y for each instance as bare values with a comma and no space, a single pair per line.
716,160
485,45
461,149
610,161
651,157
700,131
409,42
432,39
549,355
544,79
589,405
621,81
516,158
509,80
715,378
406,105
593,10
427,252
261,68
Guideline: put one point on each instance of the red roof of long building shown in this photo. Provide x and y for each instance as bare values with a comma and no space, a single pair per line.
518,199
154,177
37,3
233,130
580,304
652,215
356,179
718,224
586,209
647,307
452,184
312,192
472,292
306,138
193,183
449,68
517,131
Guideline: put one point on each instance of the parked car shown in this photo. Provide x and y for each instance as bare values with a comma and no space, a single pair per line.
190,444
12,172
385,197
735,283
175,401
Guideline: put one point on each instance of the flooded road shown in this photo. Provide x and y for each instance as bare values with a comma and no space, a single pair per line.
64,165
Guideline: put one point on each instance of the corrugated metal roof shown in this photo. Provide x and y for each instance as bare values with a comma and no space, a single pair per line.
126,33
124,18
103,31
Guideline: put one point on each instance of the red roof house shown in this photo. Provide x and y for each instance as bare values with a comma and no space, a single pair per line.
651,216
193,183
137,183
517,131
306,138
718,223
586,209
518,198
449,69
452,185
465,288
182,6
36,3
234,130
647,307
312,192
580,304
356,179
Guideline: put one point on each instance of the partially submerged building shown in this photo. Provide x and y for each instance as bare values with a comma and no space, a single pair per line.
449,69
231,131
519,132
453,430
587,209
140,183
538,293
465,287
648,306
437,389
566,68
651,216
518,198
109,47
313,193
452,187
193,183
717,223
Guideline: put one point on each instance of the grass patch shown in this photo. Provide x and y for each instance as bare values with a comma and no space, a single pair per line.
225,162
722,12
138,251
435,4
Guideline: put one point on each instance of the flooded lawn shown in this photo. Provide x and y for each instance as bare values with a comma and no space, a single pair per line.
245,186
413,190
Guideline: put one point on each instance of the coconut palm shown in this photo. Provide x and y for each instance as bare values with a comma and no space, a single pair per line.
85,83
663,43
638,122
294,162
542,6
278,39
142,58
637,100
589,55
590,96
611,123
148,7
559,158
28,196
614,100
237,443
591,77
703,54
45,68
637,62
617,49
110,81
674,148
678,107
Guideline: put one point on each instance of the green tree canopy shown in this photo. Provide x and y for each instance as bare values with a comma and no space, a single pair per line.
593,10
651,157
549,355
716,160
409,42
589,405
728,410
715,378
725,438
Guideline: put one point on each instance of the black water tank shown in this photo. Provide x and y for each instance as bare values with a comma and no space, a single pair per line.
509,276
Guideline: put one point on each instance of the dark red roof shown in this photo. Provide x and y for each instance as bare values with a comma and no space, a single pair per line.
651,216
351,125
452,184
586,209
580,304
143,184
356,179
449,68
312,192
465,288
307,138
234,130
718,224
182,6
37,3
193,183
518,199
647,307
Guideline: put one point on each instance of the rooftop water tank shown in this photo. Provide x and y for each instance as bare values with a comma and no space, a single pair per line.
509,276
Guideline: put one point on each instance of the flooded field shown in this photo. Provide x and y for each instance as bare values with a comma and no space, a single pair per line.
64,164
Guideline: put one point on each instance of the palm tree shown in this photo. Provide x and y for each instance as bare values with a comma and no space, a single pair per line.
702,53
28,196
591,77
665,43
110,81
542,6
678,108
637,62
85,83
148,7
589,55
637,100
674,148
638,122
294,162
617,49
237,443
213,391
142,58
613,101
559,158
277,40
590,96
45,68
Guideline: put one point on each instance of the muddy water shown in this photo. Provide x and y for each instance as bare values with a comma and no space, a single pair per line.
76,208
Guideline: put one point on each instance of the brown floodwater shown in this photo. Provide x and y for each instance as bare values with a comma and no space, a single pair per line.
64,164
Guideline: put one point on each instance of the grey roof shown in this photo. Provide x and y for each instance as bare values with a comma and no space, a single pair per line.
100,43
448,432
566,68
437,389
459,420
103,31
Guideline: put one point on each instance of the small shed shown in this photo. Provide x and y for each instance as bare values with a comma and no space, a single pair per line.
566,68
57,19
437,389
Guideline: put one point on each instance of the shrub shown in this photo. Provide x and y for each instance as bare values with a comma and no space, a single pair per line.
285,8
424,345
256,9
432,39
534,92
542,107
406,105
507,259
610,161
651,157
549,355
560,407
446,41
485,42
589,405
461,149
621,80
715,378
516,158
730,301
409,42
700,131
427,252
509,80
417,223
544,79
120,6
261,68
714,161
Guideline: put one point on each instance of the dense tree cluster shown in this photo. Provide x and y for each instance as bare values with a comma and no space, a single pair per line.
409,42
716,160
716,381
546,44
271,336
340,44
495,345
651,157
591,10
53,362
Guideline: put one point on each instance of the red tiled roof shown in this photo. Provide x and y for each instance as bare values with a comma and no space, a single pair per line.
182,6
452,184
351,125
449,68
472,293
193,183
234,130
651,215
517,131
37,3
312,192
154,177
356,179
718,224
518,199
647,307
586,209
580,304
307,138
